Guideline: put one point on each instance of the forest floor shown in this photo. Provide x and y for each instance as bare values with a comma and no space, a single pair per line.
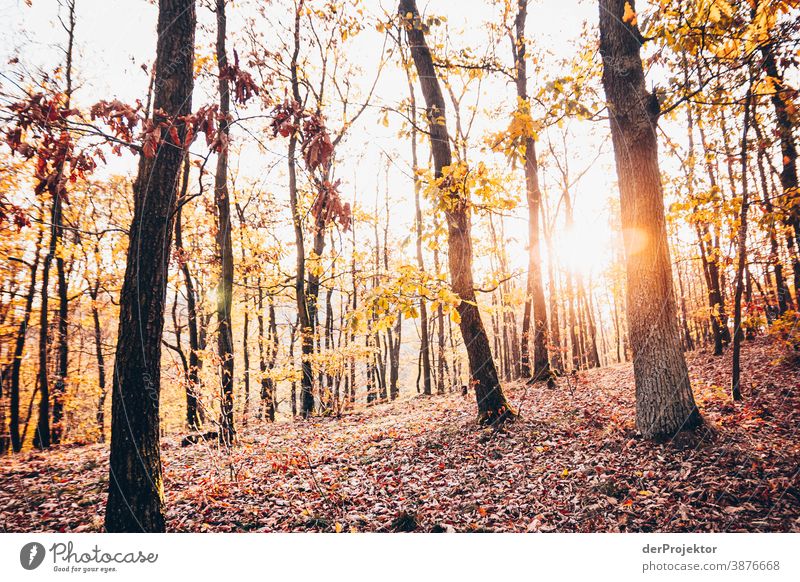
572,462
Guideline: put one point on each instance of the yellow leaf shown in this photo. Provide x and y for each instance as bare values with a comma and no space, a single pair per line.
629,16
338,527
565,472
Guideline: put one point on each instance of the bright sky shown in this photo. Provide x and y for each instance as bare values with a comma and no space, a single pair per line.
114,38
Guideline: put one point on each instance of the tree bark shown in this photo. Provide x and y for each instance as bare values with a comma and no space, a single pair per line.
194,418
305,323
224,244
736,389
664,400
788,176
100,413
424,337
535,306
492,403
136,489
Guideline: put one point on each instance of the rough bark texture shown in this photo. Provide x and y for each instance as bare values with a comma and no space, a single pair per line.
664,400
136,493
492,404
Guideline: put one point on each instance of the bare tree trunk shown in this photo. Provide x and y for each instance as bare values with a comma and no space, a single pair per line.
736,389
193,416
536,309
688,344
710,260
424,337
136,490
492,403
60,385
100,415
267,355
19,349
441,356
664,400
782,292
722,336
227,432
305,323
788,177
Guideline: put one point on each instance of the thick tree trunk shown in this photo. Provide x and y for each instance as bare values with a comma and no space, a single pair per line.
136,489
664,400
492,403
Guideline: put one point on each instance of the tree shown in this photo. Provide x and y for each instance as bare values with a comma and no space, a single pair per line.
535,302
736,389
223,240
136,491
13,373
664,400
194,416
492,404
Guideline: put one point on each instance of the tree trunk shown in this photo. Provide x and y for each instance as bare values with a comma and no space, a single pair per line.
136,490
535,306
736,389
100,414
60,385
783,296
424,336
193,387
664,400
305,323
788,177
19,349
224,244
492,403
267,354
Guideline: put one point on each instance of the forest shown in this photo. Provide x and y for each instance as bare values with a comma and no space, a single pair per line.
399,266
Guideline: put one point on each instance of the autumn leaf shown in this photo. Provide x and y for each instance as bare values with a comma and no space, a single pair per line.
628,15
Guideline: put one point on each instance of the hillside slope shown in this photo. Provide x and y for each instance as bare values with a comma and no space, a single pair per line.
572,462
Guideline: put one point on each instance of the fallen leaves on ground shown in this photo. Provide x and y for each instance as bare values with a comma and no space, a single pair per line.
571,463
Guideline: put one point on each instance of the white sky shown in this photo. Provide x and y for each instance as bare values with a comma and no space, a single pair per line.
114,38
